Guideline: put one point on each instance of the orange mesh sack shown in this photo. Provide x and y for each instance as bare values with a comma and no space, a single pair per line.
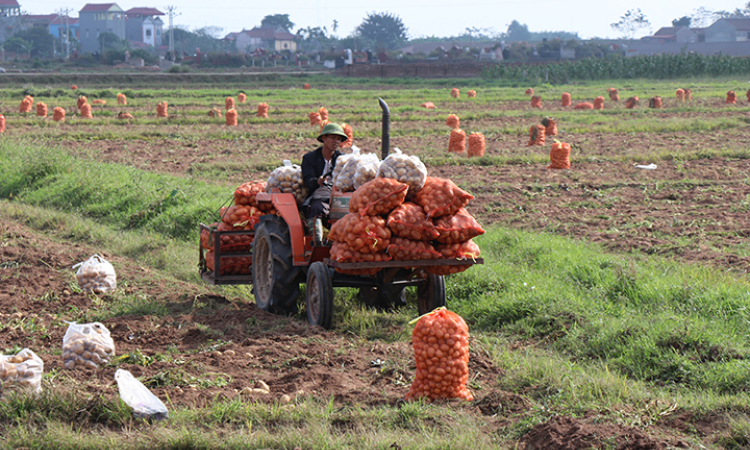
458,250
341,252
230,265
306,86
263,110
455,93
162,109
457,142
241,97
26,104
86,111
566,100
688,94
99,101
472,94
207,241
440,196
82,100
680,94
239,216
41,110
747,94
402,249
245,194
476,145
614,94
323,113
122,99
452,121
559,156
236,242
410,221
367,234
314,118
529,91
349,131
536,135
2,123
441,349
428,105
459,227
599,103
58,114
631,103
124,115
655,102
228,103
550,126
584,105
536,101
731,98
214,112
231,119
378,196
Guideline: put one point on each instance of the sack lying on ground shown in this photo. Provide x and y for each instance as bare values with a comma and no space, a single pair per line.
87,345
144,403
96,275
22,370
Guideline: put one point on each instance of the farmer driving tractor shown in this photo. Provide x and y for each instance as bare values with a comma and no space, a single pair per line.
317,167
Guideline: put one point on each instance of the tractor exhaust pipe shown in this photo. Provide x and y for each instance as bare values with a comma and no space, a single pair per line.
386,134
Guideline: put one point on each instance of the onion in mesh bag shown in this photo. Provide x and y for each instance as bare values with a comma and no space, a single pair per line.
288,179
406,169
346,183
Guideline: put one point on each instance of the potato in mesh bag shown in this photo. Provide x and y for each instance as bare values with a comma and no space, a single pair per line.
366,170
346,182
378,197
368,234
341,252
87,345
96,275
22,370
440,196
406,169
288,179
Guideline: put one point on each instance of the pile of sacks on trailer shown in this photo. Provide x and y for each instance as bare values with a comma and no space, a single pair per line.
399,213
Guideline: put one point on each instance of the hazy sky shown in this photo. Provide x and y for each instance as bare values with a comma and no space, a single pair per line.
590,18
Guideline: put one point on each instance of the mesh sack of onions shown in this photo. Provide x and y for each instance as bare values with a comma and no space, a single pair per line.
458,227
364,234
476,145
457,141
536,135
458,250
341,252
378,197
410,221
441,196
229,265
402,249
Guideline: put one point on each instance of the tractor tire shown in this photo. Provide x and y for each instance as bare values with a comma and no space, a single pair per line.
275,278
319,298
431,294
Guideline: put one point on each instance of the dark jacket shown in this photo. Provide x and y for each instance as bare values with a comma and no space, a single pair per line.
313,164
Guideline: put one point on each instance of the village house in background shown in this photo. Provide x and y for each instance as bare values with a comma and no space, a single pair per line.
143,27
97,18
265,38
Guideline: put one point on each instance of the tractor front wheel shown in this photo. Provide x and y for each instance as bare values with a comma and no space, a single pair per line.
275,278
319,301
431,294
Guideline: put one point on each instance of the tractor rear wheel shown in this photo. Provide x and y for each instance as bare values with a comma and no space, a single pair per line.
275,278
431,294
319,301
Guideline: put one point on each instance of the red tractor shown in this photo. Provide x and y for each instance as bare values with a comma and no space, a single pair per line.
286,254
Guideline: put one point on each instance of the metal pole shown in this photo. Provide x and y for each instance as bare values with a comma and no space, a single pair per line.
386,134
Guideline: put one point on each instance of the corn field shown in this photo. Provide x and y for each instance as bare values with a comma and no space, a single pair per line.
620,67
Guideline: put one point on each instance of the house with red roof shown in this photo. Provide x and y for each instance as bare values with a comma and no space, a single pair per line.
97,18
10,18
143,26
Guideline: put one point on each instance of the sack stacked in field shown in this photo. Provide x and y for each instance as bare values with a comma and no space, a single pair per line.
458,250
96,275
458,227
229,265
22,370
440,196
409,221
364,234
402,249
87,345
441,350
341,252
406,169
288,179
366,170
342,177
379,196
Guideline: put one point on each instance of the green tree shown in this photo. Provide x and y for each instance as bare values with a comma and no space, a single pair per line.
205,38
42,43
110,41
683,21
277,20
518,32
630,22
384,30
17,45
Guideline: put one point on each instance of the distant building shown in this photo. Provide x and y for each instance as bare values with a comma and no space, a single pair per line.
673,34
143,25
97,18
266,38
729,30
10,18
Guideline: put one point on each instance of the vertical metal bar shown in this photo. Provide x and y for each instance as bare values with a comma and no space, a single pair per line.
386,134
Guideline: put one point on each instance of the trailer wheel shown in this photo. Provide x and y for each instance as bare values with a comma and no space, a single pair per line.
319,301
275,278
431,294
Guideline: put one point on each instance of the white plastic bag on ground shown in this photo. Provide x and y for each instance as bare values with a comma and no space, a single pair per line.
23,370
405,169
144,403
96,275
87,345
288,179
